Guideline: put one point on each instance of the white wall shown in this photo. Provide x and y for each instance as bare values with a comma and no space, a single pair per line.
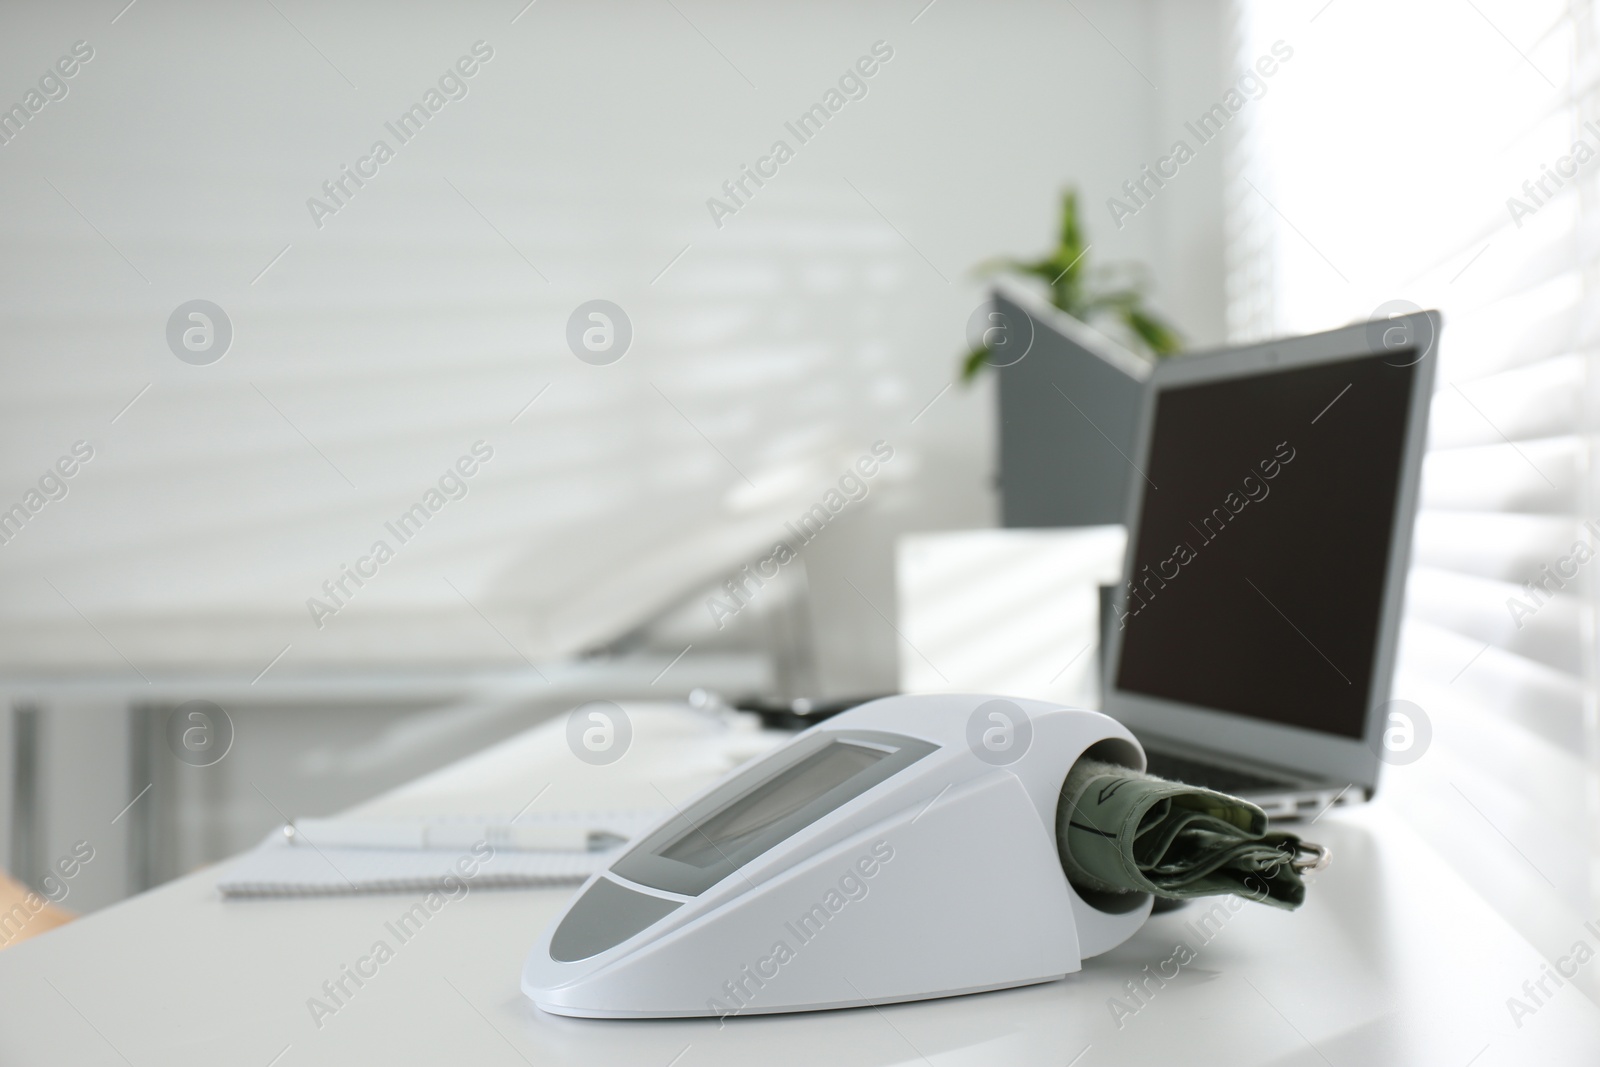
427,312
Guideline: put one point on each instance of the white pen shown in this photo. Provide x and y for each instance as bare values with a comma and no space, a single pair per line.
454,833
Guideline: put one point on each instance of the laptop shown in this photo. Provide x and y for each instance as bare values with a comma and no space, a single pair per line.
1272,494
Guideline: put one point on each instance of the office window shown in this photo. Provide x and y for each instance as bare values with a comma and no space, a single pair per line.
1393,133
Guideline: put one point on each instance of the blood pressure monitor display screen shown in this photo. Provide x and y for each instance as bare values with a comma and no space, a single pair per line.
777,798
759,809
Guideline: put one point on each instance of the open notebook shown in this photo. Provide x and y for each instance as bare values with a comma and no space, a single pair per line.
277,868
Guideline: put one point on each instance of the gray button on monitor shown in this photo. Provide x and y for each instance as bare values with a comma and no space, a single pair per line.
607,914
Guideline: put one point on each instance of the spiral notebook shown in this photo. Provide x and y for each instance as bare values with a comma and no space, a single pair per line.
277,868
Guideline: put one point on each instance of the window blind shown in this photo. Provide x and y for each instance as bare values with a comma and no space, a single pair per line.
1390,166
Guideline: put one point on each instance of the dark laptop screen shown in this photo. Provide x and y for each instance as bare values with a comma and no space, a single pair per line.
1263,542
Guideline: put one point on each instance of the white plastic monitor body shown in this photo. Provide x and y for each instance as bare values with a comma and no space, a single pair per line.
903,850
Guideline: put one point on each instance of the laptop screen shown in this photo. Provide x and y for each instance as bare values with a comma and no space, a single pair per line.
1262,548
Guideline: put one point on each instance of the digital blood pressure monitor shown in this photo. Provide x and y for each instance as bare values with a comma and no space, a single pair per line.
903,850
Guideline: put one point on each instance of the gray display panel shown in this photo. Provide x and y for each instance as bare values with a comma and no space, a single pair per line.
736,826
769,802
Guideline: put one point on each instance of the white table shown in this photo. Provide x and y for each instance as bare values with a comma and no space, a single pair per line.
1392,961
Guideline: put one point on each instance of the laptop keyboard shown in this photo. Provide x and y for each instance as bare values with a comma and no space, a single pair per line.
1209,775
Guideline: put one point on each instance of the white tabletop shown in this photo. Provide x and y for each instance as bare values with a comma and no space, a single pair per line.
1392,960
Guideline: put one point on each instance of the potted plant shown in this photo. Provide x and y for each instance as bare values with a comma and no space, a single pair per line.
1116,292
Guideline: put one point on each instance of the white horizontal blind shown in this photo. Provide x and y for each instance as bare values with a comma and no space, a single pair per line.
770,348
1382,163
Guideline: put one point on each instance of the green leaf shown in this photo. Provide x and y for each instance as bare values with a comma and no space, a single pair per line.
973,364
1120,300
1071,234
1066,271
1162,339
